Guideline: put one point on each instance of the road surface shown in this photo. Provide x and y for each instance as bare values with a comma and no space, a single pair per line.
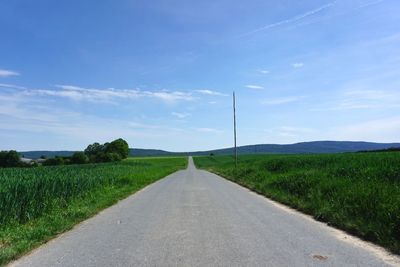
195,218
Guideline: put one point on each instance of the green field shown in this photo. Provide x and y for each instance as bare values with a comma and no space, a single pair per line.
38,203
357,192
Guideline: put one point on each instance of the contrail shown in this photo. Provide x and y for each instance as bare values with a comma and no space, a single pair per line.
370,4
294,19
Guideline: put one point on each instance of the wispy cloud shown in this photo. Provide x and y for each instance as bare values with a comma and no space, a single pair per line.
11,86
264,71
7,73
283,100
210,92
341,13
180,115
367,99
290,20
253,86
384,129
290,131
169,96
209,130
77,93
297,65
369,4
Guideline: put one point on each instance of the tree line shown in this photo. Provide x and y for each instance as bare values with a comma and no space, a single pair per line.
116,150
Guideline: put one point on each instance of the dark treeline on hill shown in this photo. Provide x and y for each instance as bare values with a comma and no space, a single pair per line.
316,147
390,149
94,153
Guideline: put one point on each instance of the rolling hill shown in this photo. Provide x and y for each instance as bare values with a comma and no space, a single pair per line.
297,148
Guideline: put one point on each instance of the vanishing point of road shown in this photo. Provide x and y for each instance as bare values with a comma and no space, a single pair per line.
196,218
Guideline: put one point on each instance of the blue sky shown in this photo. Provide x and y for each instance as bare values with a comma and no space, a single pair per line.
161,74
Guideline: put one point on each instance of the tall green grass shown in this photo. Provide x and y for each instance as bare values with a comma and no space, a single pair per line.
357,192
37,203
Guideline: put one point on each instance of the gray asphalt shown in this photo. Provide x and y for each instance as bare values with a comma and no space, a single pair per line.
196,218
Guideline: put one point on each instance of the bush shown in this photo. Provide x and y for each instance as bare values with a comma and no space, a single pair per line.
10,159
79,158
54,161
113,157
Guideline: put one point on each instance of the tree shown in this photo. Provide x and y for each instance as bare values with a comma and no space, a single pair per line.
54,161
119,146
110,157
114,151
94,149
10,159
79,158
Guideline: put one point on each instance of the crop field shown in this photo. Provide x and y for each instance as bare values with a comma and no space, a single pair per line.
357,192
38,203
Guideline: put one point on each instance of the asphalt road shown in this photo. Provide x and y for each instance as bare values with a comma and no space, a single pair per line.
195,218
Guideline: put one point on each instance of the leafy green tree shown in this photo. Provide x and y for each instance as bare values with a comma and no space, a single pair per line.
94,149
10,159
119,146
79,158
54,161
114,151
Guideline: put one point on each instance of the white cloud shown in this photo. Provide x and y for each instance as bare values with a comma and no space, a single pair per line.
24,119
252,86
370,94
298,65
170,97
11,86
209,130
282,100
367,99
369,4
109,95
296,129
264,71
180,115
7,73
137,125
290,20
378,130
290,132
210,92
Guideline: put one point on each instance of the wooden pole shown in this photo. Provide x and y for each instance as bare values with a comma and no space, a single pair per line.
234,128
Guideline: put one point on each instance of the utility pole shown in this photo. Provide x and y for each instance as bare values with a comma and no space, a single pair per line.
234,127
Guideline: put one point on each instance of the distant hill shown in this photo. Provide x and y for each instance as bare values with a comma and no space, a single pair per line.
140,152
298,148
309,147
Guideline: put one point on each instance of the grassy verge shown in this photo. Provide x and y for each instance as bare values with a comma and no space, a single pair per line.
38,203
358,192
